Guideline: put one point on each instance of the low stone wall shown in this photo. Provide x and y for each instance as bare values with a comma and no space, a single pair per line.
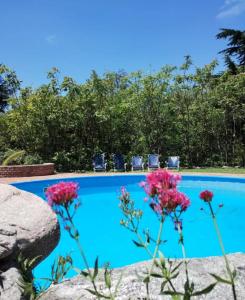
27,170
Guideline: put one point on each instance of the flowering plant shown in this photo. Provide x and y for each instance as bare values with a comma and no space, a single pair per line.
63,198
207,196
161,188
62,193
166,201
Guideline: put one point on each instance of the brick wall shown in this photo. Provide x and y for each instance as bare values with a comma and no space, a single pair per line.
27,170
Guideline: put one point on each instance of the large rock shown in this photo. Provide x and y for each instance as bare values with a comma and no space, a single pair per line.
9,287
132,288
27,224
8,241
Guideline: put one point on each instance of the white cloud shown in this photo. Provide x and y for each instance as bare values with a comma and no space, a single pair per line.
231,8
50,39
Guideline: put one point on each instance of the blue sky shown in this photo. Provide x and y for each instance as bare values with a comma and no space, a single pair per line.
77,36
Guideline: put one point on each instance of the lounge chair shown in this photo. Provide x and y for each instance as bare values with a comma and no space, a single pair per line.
137,163
173,162
153,162
119,163
99,162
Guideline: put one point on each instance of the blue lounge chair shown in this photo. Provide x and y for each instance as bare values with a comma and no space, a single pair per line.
153,162
173,162
137,163
119,163
99,162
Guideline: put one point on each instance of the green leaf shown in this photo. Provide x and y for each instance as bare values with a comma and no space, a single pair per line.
97,294
207,290
173,276
156,263
163,284
85,274
12,157
138,244
146,279
96,269
156,275
176,267
172,293
220,279
107,279
162,259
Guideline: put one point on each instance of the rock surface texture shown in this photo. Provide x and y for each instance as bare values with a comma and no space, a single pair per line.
27,224
131,288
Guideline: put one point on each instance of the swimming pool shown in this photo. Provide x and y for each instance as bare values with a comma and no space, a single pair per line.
99,216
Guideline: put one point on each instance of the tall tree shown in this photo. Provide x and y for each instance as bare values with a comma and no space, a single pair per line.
9,84
236,46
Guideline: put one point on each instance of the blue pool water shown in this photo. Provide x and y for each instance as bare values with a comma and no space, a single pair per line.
99,216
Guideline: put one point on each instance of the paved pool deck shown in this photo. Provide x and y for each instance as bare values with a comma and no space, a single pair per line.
71,175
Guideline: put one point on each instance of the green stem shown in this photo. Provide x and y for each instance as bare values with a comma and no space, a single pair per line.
223,250
76,238
158,242
144,245
183,249
135,229
148,251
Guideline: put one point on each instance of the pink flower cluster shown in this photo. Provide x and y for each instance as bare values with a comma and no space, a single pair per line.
62,193
206,196
161,186
160,180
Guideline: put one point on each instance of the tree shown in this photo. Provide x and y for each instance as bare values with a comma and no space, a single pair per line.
9,84
236,46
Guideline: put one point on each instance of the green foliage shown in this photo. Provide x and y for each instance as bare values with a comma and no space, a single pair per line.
19,157
236,45
26,282
12,157
186,111
32,159
61,266
9,85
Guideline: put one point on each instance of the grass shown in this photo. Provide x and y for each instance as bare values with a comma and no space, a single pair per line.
228,170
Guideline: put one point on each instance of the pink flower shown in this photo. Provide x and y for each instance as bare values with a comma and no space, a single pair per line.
125,196
206,196
159,180
61,193
123,191
161,186
172,199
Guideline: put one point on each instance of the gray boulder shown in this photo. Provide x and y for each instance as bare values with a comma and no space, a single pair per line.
9,285
27,224
8,241
132,288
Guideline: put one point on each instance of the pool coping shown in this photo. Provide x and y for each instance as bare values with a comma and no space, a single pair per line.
71,176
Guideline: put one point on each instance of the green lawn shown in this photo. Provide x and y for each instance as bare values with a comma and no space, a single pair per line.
216,170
